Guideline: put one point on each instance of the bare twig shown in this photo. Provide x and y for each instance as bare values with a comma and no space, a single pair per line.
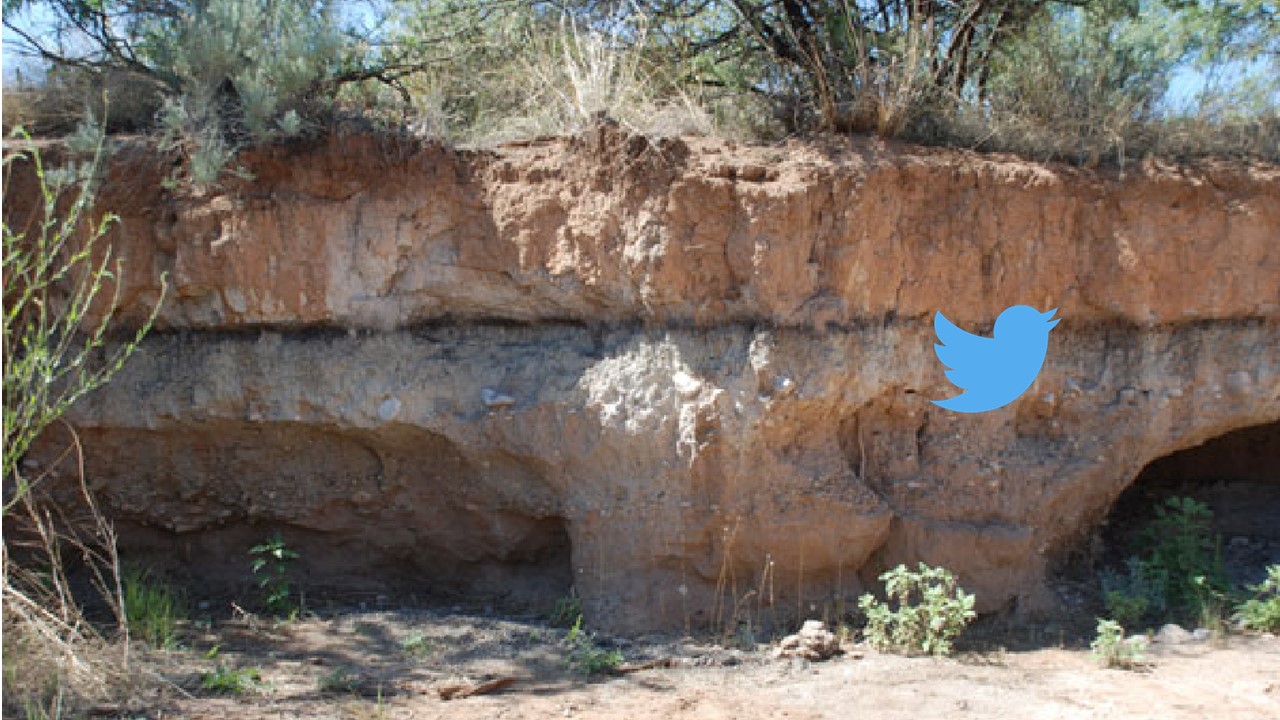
457,692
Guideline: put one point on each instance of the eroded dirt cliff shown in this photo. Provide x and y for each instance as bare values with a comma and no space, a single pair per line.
666,373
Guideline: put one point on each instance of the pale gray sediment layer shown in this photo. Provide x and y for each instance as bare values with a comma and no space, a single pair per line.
647,467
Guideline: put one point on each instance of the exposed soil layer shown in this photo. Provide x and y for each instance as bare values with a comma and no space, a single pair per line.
673,376
367,231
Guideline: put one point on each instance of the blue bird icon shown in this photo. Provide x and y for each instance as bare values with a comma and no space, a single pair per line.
993,371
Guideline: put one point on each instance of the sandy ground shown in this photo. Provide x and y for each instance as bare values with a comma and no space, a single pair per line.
392,665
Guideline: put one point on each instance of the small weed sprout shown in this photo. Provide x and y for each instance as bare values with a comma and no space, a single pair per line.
271,562
1113,650
585,656
1262,611
1211,605
417,646
931,611
226,680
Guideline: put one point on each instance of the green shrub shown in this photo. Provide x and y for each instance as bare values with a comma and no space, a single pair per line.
1177,573
1181,549
153,609
586,657
1113,650
567,612
925,612
1135,596
1262,611
243,70
271,561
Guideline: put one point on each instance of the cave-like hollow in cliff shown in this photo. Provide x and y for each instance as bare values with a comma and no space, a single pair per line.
1236,475
397,516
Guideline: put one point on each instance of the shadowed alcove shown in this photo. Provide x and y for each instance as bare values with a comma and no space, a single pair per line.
1237,475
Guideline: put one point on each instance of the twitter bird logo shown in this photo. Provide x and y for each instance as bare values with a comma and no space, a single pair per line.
993,371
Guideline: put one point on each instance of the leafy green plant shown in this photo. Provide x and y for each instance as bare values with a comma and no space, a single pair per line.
586,657
1135,595
271,561
567,612
228,72
1262,611
1128,609
226,680
1181,549
153,608
1177,571
1112,649
925,612
1211,606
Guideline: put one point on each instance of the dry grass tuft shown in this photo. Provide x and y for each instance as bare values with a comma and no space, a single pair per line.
57,103
57,661
574,77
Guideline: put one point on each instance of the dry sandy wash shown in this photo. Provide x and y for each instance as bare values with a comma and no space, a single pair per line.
1188,681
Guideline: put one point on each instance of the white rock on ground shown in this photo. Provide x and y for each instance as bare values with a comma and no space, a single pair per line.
813,642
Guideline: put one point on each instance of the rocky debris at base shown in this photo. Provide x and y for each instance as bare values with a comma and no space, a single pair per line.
813,642
1173,634
1177,639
